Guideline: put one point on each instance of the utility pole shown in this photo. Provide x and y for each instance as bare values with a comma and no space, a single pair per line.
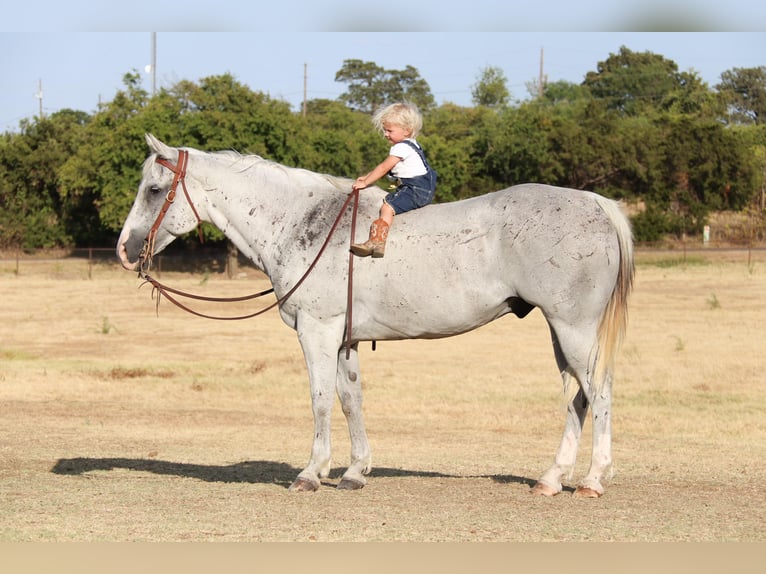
305,84
154,63
541,79
39,96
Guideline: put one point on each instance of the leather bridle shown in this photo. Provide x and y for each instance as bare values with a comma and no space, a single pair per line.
145,257
179,176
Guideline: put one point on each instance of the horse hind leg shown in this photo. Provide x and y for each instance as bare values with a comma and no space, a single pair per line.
549,483
601,458
573,351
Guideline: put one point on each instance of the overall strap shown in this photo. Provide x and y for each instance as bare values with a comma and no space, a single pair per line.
420,151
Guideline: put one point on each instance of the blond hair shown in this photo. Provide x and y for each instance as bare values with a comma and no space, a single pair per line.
404,114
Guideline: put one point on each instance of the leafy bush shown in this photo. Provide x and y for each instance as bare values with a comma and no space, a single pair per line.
653,224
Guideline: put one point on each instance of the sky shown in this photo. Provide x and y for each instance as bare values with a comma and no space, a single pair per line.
79,55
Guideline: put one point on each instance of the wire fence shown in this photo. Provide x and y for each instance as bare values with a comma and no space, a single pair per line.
95,262
89,262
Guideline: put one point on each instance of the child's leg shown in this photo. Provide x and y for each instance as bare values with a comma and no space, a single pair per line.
376,244
387,213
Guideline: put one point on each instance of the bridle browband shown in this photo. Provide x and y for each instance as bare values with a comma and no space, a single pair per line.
145,257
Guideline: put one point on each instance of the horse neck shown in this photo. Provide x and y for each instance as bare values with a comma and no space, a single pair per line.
263,208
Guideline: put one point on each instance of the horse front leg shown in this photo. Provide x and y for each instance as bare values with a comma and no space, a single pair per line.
320,344
349,388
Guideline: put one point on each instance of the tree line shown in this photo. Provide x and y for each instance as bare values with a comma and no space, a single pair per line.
636,129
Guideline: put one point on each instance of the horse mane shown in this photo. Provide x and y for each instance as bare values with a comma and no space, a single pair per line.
257,166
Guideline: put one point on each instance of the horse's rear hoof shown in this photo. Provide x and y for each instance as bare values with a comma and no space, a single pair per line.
350,484
304,485
586,492
541,489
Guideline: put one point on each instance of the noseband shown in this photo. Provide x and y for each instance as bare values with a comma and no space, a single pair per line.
179,176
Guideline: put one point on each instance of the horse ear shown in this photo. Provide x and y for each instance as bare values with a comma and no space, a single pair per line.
160,148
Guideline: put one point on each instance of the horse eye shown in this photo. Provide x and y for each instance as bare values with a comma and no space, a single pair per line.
155,189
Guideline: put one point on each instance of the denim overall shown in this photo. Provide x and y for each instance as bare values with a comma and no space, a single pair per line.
413,192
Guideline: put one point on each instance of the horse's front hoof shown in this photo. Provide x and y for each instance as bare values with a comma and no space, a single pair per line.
542,489
304,485
586,492
350,484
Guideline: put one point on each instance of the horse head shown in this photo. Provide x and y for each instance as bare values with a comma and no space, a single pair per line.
156,218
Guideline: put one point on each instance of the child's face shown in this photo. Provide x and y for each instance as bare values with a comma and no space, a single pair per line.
395,133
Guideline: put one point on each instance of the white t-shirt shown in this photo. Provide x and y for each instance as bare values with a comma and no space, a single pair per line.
411,164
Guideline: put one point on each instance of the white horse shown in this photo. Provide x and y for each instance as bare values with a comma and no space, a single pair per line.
449,268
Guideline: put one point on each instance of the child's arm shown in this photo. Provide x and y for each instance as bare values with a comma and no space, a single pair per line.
379,171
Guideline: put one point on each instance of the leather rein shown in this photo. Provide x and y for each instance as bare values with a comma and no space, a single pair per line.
145,257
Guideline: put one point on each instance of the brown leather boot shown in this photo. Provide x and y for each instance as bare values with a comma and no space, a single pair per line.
376,244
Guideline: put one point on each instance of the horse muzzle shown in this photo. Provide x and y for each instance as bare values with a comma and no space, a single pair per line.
122,255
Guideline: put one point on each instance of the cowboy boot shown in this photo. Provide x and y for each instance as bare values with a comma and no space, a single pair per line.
376,244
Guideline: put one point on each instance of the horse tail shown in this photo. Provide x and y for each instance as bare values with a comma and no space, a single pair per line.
614,319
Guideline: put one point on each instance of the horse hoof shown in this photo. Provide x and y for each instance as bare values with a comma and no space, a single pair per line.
541,489
586,492
304,485
350,484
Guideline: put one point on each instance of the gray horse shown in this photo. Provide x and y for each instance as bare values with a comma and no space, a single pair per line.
449,268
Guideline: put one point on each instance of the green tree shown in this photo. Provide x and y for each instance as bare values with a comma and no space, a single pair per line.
34,213
225,114
692,97
106,165
371,86
450,140
744,92
337,140
581,144
219,113
563,92
512,146
491,88
691,168
754,139
632,82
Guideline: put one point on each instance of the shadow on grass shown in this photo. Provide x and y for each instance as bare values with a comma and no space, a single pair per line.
254,472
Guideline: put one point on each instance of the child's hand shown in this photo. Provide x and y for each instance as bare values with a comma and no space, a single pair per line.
360,183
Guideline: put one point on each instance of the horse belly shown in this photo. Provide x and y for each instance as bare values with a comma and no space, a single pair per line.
430,303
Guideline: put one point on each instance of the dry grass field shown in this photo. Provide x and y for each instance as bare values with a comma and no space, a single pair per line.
122,425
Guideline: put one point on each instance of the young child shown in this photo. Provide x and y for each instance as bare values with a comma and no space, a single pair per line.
400,123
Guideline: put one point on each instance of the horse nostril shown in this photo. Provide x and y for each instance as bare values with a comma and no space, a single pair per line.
122,254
